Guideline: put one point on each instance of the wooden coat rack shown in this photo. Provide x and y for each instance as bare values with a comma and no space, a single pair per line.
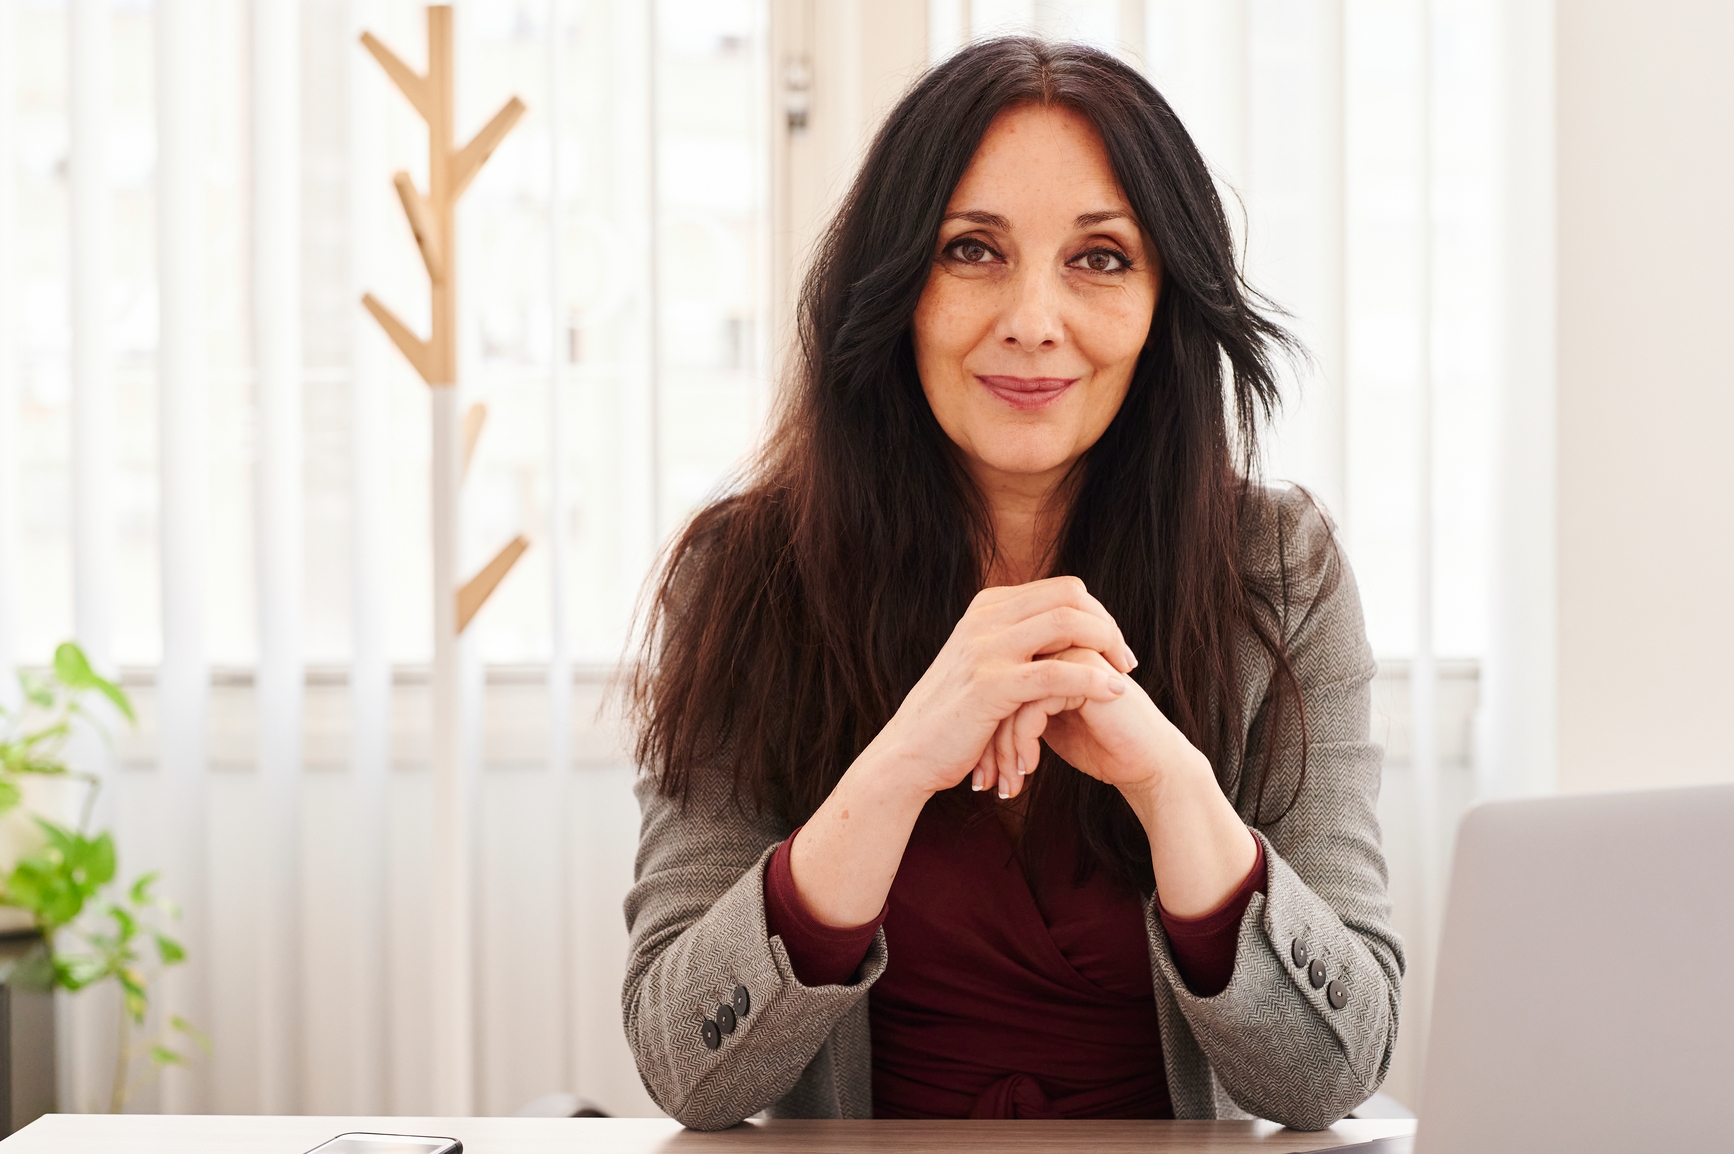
432,218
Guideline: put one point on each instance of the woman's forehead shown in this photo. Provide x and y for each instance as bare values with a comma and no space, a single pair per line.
1042,158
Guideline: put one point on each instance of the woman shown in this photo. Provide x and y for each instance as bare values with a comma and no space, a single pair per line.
1003,534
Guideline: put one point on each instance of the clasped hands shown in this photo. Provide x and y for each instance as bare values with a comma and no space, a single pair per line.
1028,662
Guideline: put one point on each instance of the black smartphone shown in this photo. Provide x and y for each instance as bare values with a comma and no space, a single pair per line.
389,1144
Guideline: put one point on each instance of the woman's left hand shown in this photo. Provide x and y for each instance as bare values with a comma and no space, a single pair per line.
1128,743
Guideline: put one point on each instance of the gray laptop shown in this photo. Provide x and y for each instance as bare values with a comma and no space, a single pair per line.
1585,1000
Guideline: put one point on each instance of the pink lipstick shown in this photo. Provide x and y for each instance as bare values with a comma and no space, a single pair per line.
1028,393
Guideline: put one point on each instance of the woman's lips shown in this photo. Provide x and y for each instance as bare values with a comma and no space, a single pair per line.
1028,392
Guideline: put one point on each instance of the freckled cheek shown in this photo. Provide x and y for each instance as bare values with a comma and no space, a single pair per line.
941,343
1111,339
950,321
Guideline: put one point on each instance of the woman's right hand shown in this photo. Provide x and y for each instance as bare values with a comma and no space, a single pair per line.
990,667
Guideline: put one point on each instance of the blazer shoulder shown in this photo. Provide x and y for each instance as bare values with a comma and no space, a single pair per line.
1288,545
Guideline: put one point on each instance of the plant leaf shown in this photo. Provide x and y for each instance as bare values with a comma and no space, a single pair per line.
132,990
99,865
10,795
74,671
59,837
72,667
77,971
163,1056
176,1022
170,951
24,886
125,923
43,884
37,689
36,737
140,894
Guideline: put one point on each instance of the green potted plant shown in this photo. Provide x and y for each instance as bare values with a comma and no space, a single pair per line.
58,879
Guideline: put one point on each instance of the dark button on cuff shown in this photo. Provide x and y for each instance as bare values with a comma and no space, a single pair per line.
743,1001
1337,995
712,1036
1298,952
725,1018
1316,973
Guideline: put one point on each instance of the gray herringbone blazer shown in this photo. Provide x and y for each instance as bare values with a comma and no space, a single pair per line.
1271,1044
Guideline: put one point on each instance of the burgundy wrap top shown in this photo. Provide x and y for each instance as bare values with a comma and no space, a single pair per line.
1008,994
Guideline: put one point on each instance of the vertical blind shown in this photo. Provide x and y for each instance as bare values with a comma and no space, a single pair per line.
213,470
9,401
368,492
183,674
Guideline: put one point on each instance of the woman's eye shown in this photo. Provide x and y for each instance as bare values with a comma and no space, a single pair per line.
971,252
1103,260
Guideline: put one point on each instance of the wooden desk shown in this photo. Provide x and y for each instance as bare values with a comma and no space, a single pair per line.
197,1134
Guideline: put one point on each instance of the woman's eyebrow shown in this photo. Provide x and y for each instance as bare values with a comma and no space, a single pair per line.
1090,219
985,219
994,220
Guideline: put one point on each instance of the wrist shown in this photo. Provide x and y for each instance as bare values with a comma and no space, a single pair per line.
846,857
1177,781
887,780
894,773
1200,849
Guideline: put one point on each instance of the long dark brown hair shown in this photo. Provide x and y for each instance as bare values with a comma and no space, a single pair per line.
791,617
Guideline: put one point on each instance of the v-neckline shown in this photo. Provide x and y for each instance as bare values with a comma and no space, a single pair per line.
1029,908
1011,817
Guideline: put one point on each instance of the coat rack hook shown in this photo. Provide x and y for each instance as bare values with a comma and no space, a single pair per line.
474,418
479,588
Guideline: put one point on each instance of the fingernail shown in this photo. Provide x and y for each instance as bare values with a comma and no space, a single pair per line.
975,781
1117,686
1131,661
1004,791
1021,769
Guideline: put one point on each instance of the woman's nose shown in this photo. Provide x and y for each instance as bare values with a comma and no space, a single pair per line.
1032,317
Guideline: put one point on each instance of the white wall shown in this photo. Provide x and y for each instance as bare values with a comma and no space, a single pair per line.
1518,727
1646,391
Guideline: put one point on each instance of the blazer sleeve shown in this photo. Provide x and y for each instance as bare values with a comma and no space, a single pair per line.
1307,1025
698,941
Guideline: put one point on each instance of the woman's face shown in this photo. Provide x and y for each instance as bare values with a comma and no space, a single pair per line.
1038,301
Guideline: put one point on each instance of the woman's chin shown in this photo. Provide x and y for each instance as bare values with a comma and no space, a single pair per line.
1026,456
